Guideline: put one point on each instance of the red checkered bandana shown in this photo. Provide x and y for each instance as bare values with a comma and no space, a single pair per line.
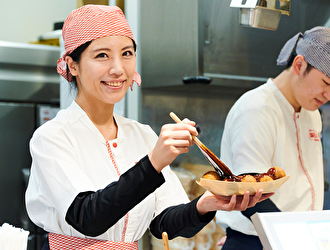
89,23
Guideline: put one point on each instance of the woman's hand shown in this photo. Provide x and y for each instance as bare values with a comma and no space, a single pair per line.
211,202
174,139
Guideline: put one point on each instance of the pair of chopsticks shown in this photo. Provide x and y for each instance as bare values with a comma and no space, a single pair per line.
218,165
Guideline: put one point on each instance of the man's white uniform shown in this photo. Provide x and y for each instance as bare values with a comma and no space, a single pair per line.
262,130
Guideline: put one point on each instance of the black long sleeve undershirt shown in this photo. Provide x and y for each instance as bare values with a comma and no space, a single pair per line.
89,212
93,213
182,220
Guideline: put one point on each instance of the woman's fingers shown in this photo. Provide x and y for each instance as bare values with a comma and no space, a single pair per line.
173,140
256,198
242,202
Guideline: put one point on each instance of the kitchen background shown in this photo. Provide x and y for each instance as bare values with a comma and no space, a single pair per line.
194,58
204,38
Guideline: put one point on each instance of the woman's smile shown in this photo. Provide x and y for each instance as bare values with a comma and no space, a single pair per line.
114,83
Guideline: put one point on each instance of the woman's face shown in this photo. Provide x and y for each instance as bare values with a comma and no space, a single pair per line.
105,70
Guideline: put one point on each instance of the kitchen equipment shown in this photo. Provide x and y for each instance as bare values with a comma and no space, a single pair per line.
29,86
218,165
260,17
260,14
165,241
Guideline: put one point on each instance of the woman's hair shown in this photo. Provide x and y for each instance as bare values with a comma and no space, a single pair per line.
76,55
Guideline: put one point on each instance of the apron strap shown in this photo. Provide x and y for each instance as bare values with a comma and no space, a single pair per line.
64,242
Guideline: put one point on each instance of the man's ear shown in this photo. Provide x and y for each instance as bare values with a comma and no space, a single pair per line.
72,65
299,65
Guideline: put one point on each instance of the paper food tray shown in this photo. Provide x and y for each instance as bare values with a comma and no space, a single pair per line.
231,188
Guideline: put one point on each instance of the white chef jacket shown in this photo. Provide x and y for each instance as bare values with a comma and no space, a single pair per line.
69,156
261,131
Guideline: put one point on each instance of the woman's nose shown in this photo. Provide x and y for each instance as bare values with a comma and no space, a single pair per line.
116,67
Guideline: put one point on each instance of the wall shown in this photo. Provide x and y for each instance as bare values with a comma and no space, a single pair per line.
24,21
207,105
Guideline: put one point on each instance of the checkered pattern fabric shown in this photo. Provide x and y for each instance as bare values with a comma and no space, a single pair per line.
63,242
314,45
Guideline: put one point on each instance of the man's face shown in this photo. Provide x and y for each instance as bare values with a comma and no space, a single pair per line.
312,89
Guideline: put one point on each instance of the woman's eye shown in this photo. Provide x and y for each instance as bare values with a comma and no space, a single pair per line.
128,53
102,55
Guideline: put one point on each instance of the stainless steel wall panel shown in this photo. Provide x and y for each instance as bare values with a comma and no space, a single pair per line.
169,41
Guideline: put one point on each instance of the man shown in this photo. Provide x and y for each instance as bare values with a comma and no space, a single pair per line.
278,124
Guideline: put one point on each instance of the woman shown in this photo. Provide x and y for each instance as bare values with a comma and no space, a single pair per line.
99,180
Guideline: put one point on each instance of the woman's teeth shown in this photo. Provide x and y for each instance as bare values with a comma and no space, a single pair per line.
114,84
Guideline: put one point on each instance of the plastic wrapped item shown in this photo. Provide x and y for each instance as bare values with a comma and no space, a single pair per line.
198,170
186,178
206,239
178,243
12,238
203,238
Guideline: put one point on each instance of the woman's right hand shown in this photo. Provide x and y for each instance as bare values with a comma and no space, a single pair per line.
173,140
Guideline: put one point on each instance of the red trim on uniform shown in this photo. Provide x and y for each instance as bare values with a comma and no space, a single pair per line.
112,159
302,165
118,173
125,227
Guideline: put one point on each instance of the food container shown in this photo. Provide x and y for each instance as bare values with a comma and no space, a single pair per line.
238,188
260,17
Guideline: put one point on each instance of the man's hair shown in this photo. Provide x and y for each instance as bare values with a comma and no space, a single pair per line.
293,56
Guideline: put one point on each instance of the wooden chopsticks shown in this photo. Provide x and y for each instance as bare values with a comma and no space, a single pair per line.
165,241
208,152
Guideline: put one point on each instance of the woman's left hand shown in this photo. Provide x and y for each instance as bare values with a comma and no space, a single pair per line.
211,202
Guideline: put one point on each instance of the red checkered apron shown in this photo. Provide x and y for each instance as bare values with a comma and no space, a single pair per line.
63,242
